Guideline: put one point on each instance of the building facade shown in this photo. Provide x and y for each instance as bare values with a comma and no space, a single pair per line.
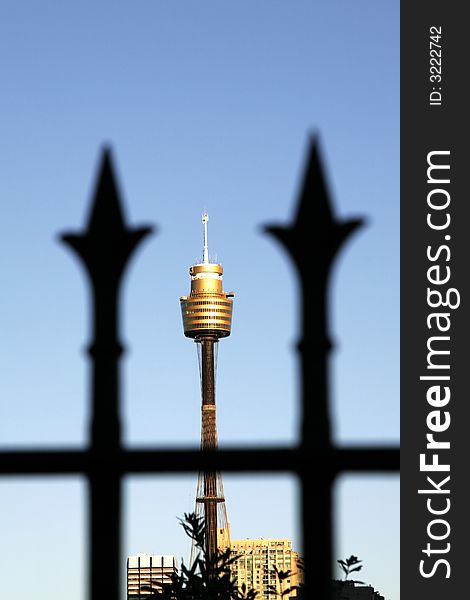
147,570
257,563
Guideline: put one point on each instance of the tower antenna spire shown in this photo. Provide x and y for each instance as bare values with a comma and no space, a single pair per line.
205,218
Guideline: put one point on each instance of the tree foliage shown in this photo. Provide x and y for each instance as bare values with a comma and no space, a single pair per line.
205,579
350,565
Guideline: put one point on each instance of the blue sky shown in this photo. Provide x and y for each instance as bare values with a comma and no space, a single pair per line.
205,105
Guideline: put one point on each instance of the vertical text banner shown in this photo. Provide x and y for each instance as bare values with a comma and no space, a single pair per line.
435,301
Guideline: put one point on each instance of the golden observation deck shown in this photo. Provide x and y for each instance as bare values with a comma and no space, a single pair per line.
207,311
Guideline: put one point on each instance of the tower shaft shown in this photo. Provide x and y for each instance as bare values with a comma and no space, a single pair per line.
209,442
208,376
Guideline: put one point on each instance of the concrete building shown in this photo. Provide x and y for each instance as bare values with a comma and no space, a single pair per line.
257,563
147,569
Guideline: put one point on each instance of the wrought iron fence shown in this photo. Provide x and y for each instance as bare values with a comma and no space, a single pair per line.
105,248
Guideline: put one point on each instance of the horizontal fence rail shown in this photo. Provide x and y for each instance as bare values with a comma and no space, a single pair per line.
81,462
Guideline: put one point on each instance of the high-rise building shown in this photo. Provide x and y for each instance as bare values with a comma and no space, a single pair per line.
147,570
207,317
257,563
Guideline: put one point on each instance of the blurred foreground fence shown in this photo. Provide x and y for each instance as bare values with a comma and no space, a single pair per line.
312,241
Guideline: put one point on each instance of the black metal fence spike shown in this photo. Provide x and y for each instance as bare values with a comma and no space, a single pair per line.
312,241
315,235
108,242
105,248
314,186
106,206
